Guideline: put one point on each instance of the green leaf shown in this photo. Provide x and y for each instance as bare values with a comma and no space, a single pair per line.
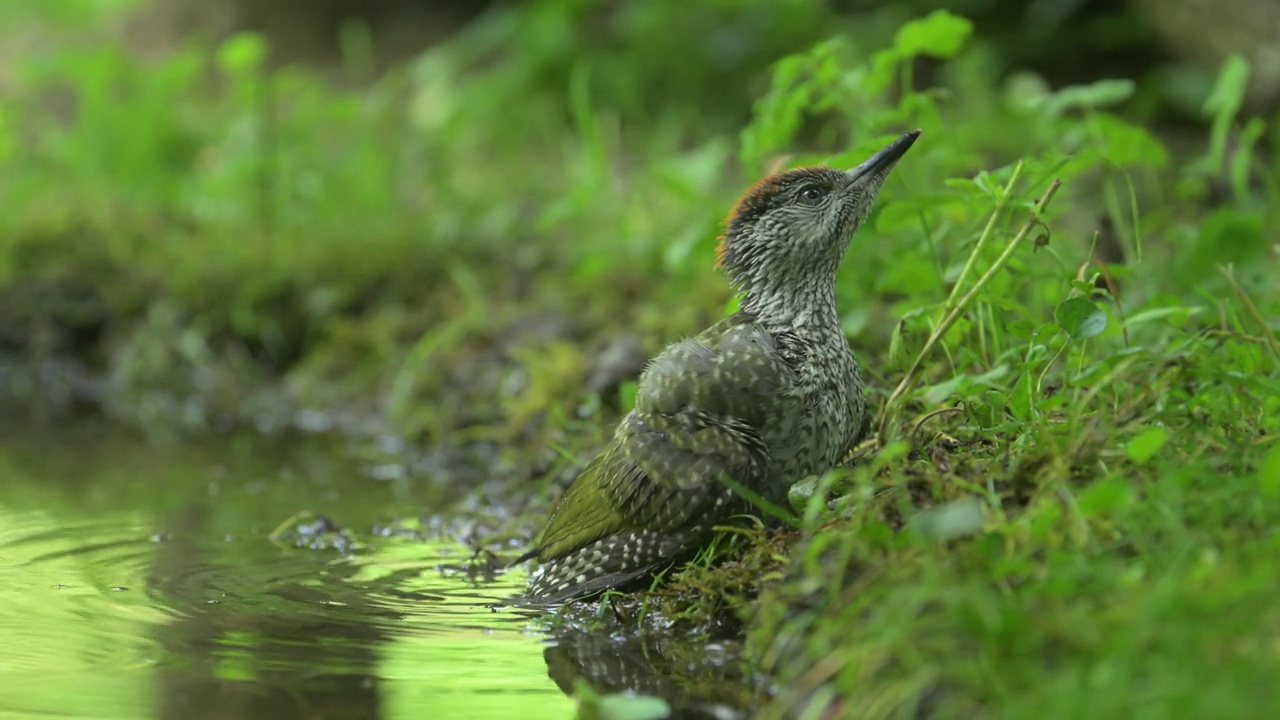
1243,157
1080,318
1145,446
948,522
1128,145
1100,94
1178,315
1269,474
1227,96
1226,236
1222,105
940,34
1106,497
985,414
1083,286
242,54
937,393
801,84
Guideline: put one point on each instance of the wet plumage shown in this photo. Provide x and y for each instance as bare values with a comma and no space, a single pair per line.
765,397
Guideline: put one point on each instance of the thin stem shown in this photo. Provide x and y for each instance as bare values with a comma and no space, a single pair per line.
1253,312
987,232
954,314
1039,389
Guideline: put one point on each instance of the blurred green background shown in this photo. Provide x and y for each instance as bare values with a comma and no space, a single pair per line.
337,204
455,230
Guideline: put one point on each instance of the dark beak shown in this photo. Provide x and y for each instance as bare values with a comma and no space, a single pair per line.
883,161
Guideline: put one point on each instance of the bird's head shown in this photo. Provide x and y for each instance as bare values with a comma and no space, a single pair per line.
793,227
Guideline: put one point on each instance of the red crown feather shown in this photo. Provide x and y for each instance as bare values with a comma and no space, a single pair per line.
755,201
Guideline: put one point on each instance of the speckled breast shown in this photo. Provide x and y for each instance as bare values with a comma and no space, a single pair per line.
816,423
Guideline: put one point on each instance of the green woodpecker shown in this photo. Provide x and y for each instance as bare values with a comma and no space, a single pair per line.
764,398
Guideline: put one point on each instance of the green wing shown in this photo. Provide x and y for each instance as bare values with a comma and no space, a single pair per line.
699,411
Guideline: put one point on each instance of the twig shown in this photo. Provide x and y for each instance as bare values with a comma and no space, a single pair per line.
915,429
987,232
959,308
1252,309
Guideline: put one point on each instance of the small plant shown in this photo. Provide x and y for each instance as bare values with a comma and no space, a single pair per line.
1074,427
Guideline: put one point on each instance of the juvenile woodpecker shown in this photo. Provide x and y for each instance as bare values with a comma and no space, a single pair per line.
765,397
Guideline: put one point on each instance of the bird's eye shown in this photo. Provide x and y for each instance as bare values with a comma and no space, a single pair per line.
811,195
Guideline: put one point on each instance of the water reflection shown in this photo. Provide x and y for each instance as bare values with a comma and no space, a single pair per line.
701,679
139,582
271,644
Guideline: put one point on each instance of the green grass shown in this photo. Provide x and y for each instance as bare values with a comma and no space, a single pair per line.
1067,312
1079,521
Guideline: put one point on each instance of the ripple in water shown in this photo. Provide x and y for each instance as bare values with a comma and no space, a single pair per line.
141,583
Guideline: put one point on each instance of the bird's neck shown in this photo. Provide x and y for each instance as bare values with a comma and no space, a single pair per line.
796,307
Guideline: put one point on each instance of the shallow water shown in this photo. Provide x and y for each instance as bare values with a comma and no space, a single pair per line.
141,579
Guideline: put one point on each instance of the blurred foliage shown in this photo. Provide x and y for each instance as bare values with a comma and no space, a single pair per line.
1086,398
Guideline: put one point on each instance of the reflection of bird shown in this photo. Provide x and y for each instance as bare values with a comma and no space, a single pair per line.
764,397
694,679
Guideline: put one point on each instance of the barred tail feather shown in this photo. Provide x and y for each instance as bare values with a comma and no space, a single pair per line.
605,564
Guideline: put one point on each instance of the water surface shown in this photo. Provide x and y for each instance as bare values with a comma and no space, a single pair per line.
138,580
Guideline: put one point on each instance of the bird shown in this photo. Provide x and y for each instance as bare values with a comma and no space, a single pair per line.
765,397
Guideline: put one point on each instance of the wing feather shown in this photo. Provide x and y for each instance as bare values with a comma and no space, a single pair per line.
700,410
